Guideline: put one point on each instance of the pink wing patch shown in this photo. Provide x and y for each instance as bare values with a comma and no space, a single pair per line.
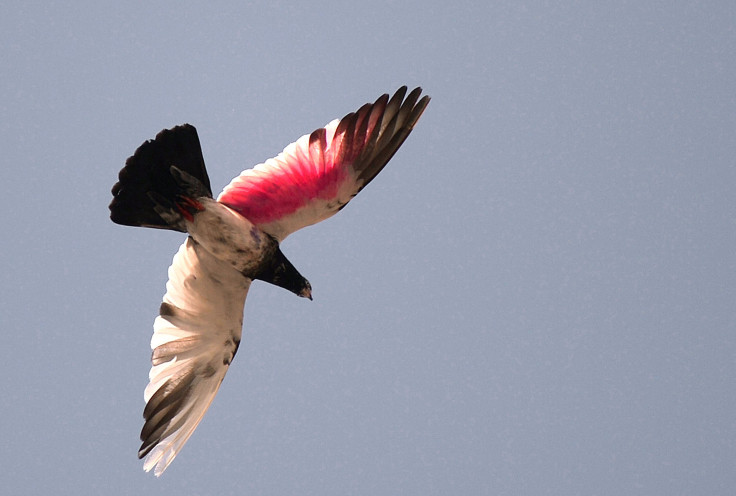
304,172
318,174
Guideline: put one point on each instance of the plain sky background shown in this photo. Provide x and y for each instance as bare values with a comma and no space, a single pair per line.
536,296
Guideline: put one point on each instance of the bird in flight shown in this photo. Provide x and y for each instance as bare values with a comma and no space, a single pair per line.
232,241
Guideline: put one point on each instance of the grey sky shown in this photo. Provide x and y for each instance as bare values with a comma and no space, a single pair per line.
536,296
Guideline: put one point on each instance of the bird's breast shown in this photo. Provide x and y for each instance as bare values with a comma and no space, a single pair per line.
231,237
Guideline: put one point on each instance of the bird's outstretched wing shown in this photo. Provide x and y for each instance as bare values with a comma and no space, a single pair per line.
317,175
195,339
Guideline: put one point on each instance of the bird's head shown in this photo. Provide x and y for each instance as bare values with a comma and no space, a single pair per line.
279,271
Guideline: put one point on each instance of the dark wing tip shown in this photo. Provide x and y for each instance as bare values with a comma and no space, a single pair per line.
397,121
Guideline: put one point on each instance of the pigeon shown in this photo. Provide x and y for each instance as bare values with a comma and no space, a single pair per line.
234,240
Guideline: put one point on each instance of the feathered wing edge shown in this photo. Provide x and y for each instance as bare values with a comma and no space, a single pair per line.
194,341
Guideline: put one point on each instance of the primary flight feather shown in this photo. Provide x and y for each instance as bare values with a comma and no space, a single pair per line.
233,240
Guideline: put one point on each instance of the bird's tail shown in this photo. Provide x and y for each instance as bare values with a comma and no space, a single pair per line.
160,183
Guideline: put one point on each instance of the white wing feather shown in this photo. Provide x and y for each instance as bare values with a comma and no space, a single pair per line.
194,341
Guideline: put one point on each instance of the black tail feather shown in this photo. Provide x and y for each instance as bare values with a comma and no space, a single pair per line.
160,172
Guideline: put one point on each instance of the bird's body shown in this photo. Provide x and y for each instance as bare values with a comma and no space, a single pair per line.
231,237
234,240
